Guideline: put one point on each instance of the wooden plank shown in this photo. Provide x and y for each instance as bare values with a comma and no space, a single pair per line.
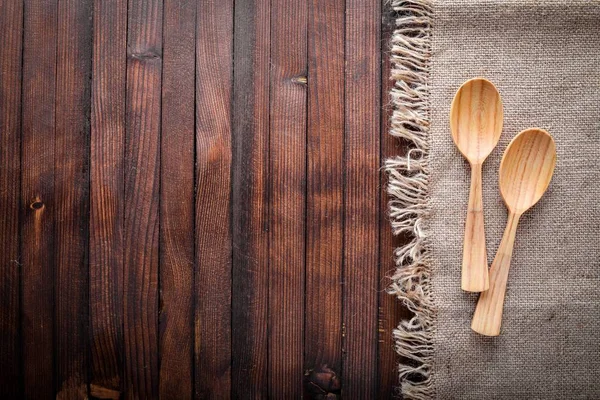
71,188
325,160
390,309
107,198
250,199
37,194
214,63
289,21
11,32
361,227
142,174
177,200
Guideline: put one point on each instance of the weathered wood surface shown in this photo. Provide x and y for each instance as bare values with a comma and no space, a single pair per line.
191,199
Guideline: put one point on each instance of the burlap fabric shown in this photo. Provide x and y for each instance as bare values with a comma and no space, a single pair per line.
544,58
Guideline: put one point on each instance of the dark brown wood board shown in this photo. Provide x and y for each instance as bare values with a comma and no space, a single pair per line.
250,199
38,205
71,191
11,28
141,215
176,245
361,223
287,194
325,190
107,198
214,85
192,200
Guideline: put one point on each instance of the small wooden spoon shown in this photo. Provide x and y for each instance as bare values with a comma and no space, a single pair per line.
525,173
476,124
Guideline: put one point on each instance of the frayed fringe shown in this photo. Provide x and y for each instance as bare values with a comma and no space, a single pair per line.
409,194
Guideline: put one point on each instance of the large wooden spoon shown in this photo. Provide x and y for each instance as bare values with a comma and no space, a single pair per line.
476,124
525,173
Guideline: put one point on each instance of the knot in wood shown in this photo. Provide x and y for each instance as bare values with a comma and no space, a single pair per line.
36,205
322,383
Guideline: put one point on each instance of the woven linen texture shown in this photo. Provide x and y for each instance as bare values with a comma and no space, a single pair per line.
544,58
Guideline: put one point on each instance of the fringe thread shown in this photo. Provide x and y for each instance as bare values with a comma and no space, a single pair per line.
409,195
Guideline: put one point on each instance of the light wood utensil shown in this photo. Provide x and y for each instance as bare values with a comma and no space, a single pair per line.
525,173
476,124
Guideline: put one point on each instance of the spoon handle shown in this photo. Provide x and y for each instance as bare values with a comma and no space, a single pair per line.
474,263
488,313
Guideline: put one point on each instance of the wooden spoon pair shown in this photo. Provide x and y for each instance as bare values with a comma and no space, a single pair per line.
525,172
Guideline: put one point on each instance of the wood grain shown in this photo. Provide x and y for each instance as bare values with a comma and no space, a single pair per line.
71,185
107,201
287,176
250,200
177,200
221,265
488,313
142,173
474,276
325,168
38,205
11,30
526,169
476,118
361,227
525,173
214,65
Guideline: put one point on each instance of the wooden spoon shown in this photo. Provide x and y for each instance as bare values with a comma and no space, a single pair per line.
525,173
476,124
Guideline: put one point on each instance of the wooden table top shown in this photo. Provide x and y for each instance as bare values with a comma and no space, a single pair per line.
192,203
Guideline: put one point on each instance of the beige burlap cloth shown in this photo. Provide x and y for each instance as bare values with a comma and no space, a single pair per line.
544,58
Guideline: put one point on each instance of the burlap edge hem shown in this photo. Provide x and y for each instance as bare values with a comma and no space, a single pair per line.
408,191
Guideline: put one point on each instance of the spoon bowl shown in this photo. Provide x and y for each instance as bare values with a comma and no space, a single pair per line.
525,172
526,169
476,124
476,117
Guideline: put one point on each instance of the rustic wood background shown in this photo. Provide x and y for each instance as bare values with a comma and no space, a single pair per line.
191,202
